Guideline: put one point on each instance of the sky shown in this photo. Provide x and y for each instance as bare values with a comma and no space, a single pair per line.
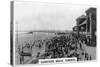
30,16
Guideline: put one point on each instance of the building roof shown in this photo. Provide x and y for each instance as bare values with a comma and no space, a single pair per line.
81,19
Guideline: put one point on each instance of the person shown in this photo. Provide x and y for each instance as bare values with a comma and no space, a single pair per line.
38,54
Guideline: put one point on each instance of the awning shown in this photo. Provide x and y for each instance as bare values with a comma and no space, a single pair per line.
83,23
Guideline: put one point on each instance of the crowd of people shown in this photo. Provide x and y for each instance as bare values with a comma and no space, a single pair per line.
63,46
68,46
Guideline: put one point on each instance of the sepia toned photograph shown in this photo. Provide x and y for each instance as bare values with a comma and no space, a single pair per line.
52,30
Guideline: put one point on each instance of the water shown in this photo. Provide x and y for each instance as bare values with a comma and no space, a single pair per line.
25,37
